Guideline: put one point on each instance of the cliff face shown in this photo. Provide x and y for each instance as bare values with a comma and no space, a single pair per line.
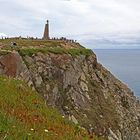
81,89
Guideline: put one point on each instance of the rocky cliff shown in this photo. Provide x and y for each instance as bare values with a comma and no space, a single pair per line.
79,87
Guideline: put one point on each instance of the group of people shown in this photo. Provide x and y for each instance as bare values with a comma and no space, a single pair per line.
64,39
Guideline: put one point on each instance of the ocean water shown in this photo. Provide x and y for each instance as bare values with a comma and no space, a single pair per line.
124,64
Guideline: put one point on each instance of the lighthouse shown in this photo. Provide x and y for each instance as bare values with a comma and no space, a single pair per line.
46,31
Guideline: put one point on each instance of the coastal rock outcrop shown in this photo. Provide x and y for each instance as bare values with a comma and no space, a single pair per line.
81,89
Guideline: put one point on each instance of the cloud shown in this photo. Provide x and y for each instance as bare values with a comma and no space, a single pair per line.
80,19
2,35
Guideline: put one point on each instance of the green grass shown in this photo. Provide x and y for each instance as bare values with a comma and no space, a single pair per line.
30,47
29,42
73,52
4,52
24,116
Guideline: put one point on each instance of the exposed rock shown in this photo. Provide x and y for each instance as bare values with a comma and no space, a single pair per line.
112,135
38,81
73,119
84,86
81,88
12,65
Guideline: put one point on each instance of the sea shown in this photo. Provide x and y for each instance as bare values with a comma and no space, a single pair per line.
124,64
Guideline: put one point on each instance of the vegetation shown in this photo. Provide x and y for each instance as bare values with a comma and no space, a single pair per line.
73,52
24,116
24,42
4,52
29,42
32,46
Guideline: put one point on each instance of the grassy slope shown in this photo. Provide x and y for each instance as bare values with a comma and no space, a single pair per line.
24,116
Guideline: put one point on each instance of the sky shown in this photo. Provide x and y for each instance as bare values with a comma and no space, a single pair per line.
94,23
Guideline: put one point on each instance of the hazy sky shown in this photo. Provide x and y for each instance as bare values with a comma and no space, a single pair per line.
97,21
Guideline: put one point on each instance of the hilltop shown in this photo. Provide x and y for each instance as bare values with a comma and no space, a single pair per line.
69,78
36,43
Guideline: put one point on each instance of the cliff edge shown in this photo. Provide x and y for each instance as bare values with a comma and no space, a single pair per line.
70,79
